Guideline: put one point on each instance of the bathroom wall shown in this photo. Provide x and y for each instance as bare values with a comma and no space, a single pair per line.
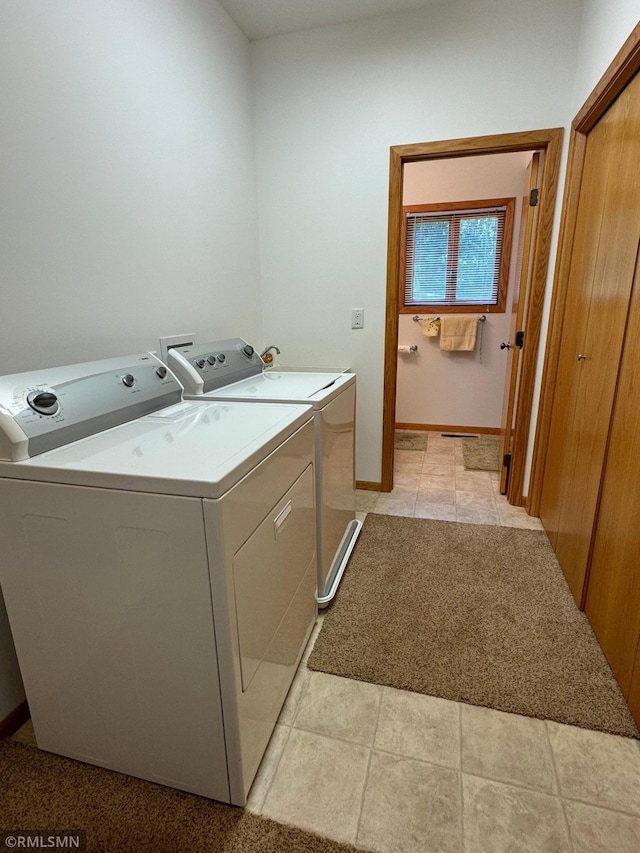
458,388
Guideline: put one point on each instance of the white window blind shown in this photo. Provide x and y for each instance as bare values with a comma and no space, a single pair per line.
454,257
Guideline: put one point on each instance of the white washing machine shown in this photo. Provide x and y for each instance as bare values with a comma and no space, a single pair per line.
158,567
231,370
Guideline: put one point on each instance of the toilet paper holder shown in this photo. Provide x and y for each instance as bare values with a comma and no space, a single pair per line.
408,349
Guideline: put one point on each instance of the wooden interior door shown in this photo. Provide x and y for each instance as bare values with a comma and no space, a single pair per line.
523,275
613,593
633,697
602,269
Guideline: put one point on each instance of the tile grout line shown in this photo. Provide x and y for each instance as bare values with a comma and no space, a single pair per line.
519,786
559,786
402,755
599,806
366,775
339,739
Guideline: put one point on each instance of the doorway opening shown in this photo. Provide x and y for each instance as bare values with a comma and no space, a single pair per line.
547,143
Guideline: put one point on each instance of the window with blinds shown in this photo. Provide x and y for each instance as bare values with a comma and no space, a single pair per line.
456,255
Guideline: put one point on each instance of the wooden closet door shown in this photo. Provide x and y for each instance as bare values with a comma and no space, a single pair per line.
613,594
603,263
633,698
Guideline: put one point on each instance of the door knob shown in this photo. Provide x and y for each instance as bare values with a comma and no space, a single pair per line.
505,346
581,357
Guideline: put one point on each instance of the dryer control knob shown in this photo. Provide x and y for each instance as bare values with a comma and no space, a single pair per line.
128,379
222,358
200,363
43,402
161,371
212,359
248,350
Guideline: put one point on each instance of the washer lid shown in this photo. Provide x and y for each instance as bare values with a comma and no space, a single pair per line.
197,449
313,388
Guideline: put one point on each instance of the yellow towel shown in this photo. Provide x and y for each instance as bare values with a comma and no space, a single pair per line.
430,327
458,333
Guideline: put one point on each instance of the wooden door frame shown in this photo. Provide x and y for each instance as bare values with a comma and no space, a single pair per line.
623,68
549,141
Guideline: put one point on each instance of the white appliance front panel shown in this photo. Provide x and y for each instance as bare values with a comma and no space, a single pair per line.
335,481
249,642
109,600
193,449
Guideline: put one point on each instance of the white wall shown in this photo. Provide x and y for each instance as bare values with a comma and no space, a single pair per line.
605,26
459,388
329,104
127,178
127,183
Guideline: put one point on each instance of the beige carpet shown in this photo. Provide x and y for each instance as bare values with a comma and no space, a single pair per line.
482,453
475,613
125,815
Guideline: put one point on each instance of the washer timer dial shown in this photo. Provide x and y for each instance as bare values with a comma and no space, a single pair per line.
43,402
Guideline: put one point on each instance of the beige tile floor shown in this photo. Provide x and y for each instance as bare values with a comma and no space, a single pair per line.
399,772
435,484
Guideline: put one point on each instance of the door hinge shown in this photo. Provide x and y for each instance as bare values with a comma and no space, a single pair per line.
506,461
520,339
533,197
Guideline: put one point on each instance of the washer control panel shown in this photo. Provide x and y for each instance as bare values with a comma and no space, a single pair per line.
207,367
45,409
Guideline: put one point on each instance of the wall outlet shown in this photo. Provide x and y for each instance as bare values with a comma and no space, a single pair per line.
176,341
357,318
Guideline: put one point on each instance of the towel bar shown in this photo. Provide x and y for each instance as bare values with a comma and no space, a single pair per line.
417,319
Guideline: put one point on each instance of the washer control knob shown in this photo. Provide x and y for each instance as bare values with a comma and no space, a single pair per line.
43,402
212,359
128,379
248,350
200,363
161,371
222,358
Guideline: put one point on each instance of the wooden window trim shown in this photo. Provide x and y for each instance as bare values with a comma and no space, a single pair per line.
505,262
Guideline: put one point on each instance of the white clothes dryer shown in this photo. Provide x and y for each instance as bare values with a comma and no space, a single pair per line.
158,568
231,370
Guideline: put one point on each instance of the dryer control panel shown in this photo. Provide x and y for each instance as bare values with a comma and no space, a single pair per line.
48,408
206,367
